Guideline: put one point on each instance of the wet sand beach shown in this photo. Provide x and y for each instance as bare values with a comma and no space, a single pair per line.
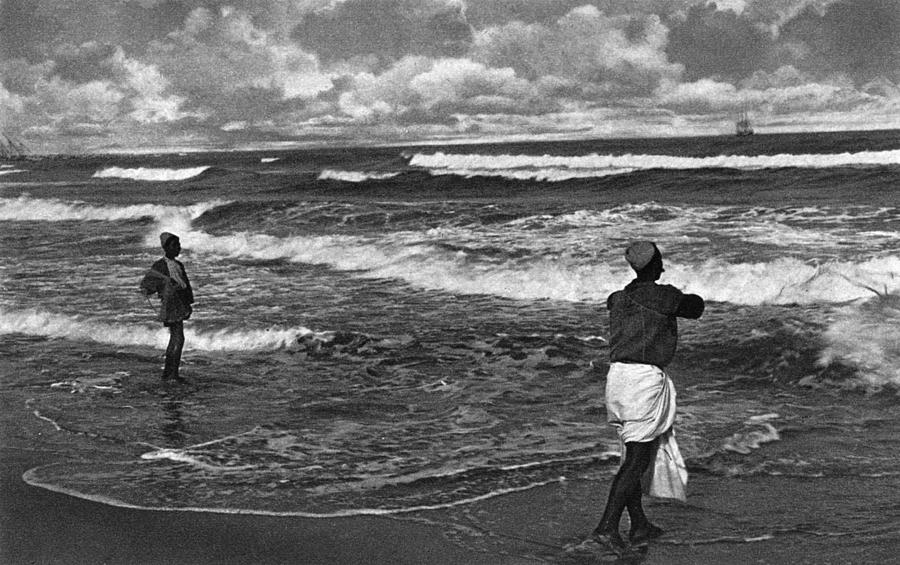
815,521
39,526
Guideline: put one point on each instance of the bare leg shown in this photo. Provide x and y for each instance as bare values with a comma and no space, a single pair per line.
639,521
641,530
625,492
173,351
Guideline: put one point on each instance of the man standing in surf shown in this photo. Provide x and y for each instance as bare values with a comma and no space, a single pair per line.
168,278
640,396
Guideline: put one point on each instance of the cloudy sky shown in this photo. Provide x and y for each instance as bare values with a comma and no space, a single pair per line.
140,74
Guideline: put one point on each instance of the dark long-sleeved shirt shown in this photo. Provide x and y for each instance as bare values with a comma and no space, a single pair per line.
176,302
643,321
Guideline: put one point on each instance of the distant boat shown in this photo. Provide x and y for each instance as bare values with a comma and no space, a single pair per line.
742,127
12,150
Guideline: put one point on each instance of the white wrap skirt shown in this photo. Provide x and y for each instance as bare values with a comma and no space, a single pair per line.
640,404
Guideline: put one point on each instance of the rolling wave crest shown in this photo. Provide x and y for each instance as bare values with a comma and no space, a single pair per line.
429,265
354,176
26,208
150,174
565,167
54,325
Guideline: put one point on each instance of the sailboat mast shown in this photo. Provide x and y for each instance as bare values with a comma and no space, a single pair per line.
9,149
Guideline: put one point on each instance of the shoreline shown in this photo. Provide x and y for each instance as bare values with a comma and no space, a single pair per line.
41,526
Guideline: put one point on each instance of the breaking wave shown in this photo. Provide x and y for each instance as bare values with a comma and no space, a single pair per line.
354,176
430,265
54,325
787,281
540,175
149,174
562,167
867,336
25,208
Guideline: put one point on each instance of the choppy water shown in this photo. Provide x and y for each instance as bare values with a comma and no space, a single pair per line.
397,329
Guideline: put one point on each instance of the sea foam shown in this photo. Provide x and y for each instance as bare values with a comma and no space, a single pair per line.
354,176
549,174
867,336
34,478
55,325
596,162
150,174
426,264
25,208
787,280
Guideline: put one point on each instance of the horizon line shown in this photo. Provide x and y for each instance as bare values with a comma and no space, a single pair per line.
297,145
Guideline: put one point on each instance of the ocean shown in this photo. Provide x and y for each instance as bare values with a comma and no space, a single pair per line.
403,330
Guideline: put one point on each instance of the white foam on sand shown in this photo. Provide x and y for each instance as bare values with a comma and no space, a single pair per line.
31,478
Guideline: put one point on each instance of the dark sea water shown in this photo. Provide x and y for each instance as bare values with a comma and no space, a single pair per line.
394,330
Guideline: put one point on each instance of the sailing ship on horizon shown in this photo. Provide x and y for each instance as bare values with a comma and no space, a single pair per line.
742,126
11,150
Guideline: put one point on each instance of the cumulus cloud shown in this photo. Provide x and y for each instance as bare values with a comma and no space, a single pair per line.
369,96
489,13
419,89
226,68
232,71
494,13
41,102
462,86
603,57
709,96
149,101
776,12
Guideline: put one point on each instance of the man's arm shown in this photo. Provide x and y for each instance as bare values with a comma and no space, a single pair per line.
691,306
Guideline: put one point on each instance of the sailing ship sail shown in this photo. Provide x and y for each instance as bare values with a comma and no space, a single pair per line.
742,126
12,150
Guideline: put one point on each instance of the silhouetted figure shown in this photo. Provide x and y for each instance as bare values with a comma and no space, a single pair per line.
640,397
169,280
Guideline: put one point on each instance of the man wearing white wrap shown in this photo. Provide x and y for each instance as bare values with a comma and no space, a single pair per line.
640,397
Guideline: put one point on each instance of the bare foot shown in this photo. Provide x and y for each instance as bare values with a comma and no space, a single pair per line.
611,541
641,536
